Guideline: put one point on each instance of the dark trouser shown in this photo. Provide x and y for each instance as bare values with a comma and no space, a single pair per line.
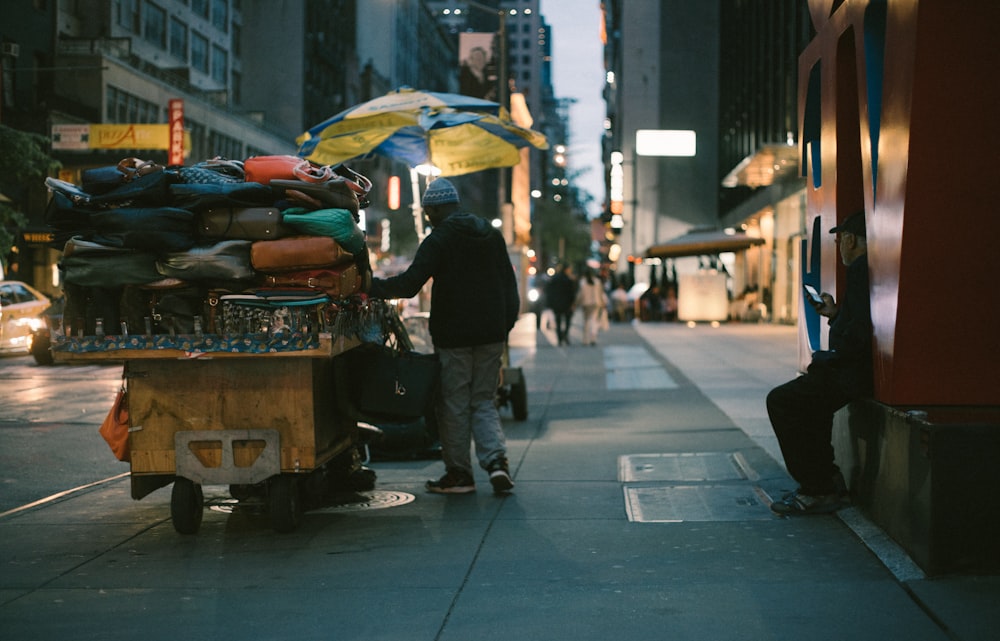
801,413
563,320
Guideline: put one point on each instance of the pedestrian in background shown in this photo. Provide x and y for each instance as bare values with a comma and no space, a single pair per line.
560,294
801,411
619,303
593,301
474,305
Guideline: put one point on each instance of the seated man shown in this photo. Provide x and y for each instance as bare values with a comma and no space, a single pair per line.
801,410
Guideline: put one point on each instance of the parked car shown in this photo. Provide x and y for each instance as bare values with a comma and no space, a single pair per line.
21,310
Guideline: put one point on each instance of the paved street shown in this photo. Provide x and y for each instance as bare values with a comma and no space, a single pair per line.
643,474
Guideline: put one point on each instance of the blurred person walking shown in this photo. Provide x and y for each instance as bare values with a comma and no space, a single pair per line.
593,300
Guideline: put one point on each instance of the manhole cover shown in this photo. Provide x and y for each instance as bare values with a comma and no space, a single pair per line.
370,500
353,502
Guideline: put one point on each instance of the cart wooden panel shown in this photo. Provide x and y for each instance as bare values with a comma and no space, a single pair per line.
290,395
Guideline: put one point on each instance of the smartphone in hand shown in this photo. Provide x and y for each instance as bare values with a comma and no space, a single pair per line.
813,295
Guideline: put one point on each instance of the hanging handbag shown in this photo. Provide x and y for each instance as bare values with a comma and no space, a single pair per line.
388,385
114,429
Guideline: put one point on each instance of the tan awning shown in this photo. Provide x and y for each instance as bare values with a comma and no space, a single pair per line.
703,243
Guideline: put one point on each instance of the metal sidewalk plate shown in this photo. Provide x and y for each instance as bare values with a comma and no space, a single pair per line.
685,467
675,504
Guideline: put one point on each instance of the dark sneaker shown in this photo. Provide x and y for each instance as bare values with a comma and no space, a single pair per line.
453,482
799,504
500,476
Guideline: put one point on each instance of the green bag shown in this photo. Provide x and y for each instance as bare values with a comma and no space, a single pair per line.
337,224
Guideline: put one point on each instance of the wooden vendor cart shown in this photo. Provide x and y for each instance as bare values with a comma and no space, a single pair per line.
266,424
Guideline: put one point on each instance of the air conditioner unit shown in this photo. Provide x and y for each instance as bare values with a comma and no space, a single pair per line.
11,49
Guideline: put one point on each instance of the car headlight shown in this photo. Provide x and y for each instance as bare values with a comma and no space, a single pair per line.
34,324
533,295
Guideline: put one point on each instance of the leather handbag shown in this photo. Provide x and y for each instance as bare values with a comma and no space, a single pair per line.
114,429
336,282
227,260
297,253
388,385
264,169
243,223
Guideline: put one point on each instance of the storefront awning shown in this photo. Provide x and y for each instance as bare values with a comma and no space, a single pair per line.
703,243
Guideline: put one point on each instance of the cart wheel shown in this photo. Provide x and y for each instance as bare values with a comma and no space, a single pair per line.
519,399
284,503
186,506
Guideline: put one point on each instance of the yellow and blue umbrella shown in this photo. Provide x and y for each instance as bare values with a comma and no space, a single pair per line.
455,134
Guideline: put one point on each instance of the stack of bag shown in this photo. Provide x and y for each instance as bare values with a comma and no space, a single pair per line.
267,247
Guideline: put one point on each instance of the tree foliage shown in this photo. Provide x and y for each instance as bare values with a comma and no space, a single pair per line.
23,161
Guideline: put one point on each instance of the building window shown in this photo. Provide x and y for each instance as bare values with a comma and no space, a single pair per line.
236,88
127,14
178,39
234,44
125,108
200,7
155,30
223,145
220,14
199,52
220,63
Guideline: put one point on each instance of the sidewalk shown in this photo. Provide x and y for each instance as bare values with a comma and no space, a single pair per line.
643,474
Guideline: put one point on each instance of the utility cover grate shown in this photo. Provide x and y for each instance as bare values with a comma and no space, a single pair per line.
687,467
676,504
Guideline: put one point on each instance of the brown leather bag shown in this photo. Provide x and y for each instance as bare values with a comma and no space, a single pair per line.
334,281
243,223
297,253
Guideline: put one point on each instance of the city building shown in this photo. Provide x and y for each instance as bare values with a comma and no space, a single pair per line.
725,74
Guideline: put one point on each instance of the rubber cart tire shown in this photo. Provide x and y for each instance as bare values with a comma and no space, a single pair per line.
187,505
284,503
519,399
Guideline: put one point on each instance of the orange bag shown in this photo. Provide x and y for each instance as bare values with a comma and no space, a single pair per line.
114,429
264,169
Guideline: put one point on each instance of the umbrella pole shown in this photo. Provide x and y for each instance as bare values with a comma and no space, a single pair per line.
418,211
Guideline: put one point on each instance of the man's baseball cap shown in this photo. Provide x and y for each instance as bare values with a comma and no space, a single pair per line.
853,224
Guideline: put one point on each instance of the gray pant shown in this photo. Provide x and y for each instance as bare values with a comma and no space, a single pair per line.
466,408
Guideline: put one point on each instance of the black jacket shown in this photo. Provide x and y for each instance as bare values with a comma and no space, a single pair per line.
850,353
474,299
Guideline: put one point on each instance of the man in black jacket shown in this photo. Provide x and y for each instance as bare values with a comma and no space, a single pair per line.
474,305
801,411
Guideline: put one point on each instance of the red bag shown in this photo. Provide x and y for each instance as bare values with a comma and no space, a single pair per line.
114,429
336,281
264,169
